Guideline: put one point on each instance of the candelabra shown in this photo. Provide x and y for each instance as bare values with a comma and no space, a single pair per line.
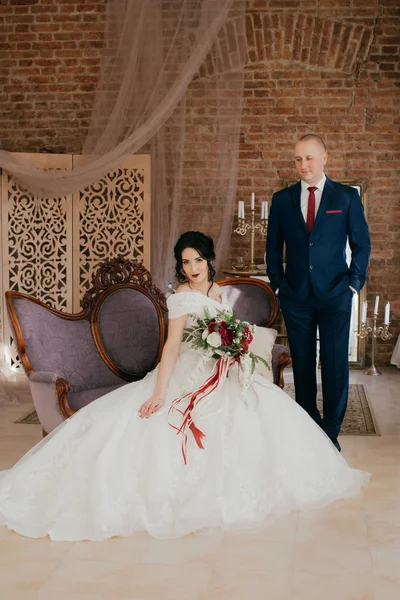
244,226
382,332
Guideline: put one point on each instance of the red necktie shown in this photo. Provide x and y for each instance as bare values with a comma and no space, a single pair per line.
311,208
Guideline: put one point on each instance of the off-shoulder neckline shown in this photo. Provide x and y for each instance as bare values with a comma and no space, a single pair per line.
199,294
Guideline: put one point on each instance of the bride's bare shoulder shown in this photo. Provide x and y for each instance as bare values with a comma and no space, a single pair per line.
216,292
217,288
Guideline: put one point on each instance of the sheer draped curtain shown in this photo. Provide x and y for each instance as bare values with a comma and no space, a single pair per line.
170,84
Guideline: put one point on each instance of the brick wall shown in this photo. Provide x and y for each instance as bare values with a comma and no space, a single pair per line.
49,57
329,66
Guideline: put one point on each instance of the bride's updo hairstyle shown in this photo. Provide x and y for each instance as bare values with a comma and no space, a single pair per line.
203,244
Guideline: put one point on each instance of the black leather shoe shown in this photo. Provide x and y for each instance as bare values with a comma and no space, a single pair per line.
336,444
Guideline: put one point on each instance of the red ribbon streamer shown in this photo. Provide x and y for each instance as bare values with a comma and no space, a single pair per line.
195,398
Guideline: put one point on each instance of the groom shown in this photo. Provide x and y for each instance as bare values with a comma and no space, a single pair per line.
314,219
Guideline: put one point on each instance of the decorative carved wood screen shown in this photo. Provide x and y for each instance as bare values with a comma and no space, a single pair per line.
50,248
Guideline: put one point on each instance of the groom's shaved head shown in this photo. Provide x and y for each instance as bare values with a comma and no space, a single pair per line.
313,136
310,158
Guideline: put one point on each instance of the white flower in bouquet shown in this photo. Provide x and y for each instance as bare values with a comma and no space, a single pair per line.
214,339
205,334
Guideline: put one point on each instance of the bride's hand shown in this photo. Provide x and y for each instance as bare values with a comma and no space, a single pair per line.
151,406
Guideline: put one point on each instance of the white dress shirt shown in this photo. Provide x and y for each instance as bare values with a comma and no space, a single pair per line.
305,194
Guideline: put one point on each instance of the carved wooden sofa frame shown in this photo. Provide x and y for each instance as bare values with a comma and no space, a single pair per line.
116,348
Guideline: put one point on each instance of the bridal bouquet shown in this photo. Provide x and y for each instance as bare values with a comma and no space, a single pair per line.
222,337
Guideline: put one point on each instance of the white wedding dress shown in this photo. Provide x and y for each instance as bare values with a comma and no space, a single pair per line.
106,472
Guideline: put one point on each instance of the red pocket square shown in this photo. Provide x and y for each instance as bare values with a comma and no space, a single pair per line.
332,212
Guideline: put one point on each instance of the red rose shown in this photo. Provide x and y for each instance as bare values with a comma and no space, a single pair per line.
227,335
211,326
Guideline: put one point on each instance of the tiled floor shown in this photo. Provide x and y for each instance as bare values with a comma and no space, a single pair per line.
349,551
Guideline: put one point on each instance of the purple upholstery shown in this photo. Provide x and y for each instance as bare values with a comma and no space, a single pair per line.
130,331
250,303
43,377
45,401
63,347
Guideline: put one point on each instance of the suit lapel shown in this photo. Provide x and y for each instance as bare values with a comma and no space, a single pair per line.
296,199
327,196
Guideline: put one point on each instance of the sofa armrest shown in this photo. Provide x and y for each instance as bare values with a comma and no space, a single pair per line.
43,377
280,359
49,393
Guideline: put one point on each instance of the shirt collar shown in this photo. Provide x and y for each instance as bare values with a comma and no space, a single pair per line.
319,185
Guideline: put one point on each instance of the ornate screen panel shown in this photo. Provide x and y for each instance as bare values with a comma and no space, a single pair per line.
36,244
111,217
51,247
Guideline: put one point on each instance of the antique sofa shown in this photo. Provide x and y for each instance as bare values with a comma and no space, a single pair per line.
73,359
118,337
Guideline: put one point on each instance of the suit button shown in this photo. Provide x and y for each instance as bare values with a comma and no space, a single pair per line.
311,243
311,267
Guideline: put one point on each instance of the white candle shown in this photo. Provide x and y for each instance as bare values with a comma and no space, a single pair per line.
253,198
387,313
262,211
376,305
266,209
242,208
239,210
364,312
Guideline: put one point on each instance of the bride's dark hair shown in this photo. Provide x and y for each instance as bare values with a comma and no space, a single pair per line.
200,242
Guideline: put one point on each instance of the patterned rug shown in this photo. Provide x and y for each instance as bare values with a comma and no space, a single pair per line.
358,419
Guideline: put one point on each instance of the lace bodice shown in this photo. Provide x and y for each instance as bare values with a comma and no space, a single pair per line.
187,303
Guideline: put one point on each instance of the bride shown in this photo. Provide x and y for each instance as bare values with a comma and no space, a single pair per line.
115,467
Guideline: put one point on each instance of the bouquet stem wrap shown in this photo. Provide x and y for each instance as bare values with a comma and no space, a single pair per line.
194,398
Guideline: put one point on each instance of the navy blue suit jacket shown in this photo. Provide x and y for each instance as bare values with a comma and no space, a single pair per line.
316,261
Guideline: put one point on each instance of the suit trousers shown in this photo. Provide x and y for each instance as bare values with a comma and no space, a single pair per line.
332,318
